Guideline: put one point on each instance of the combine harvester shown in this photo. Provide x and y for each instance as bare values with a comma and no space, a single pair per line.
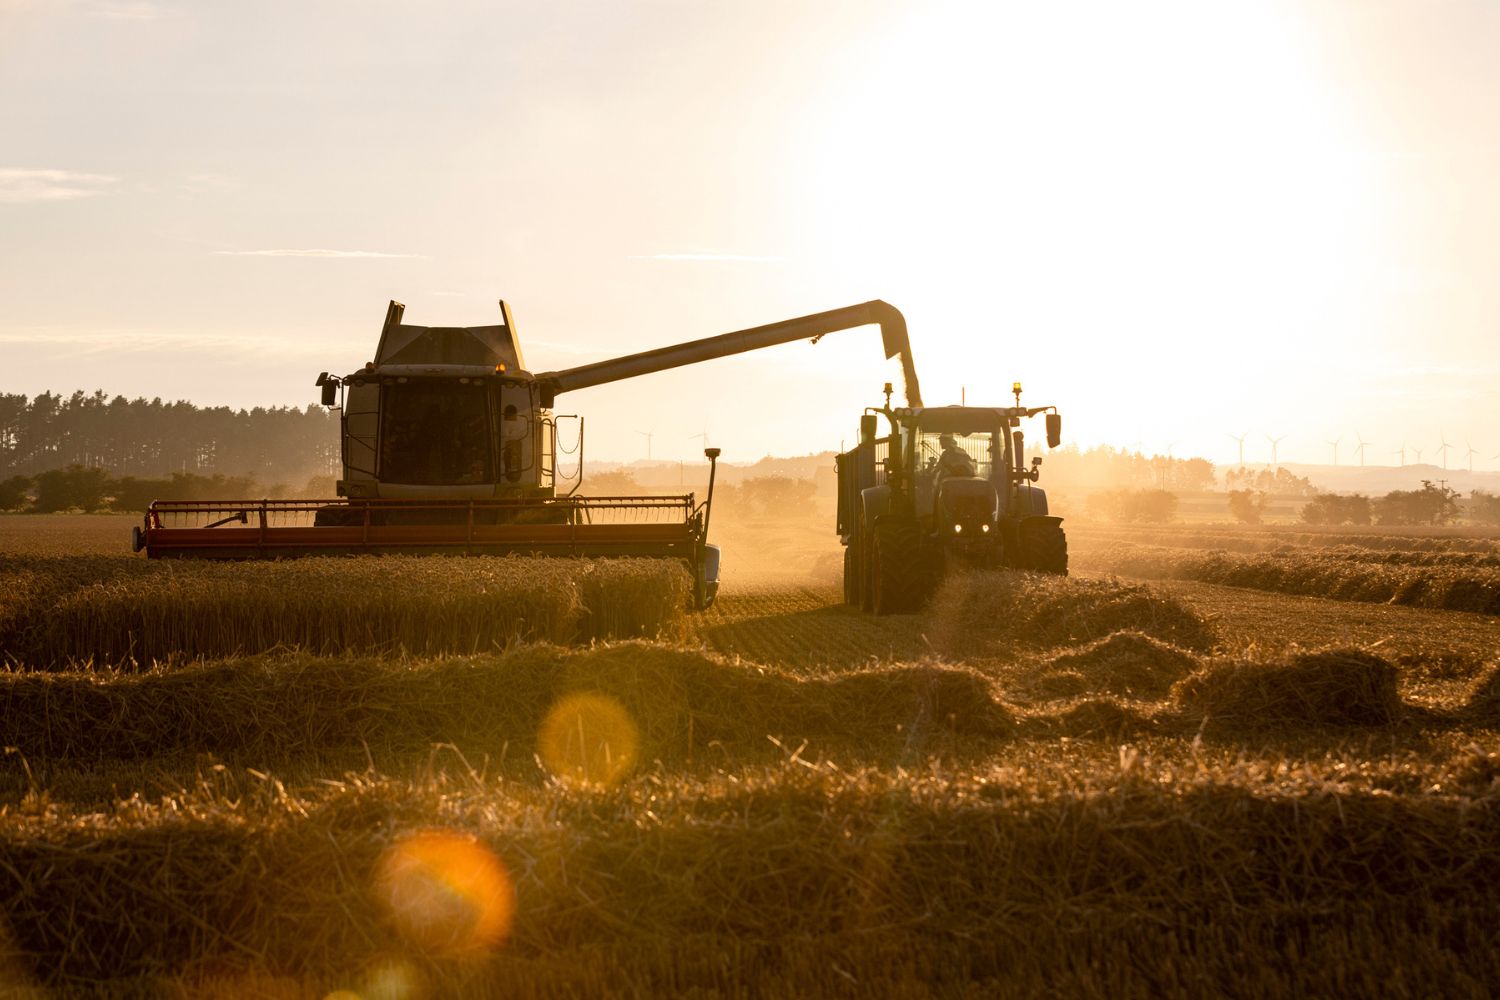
450,446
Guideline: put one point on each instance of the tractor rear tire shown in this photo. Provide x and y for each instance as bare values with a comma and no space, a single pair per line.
899,574
1044,548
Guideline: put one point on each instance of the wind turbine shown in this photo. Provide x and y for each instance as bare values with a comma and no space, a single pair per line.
1402,453
1334,444
1361,448
1240,439
1419,453
1274,443
703,437
1444,449
1470,454
648,435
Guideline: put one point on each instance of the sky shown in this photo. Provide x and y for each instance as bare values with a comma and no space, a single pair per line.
1178,222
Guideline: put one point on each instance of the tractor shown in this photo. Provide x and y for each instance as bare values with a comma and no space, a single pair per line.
948,488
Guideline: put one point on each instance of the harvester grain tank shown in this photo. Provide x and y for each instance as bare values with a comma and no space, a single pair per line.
947,487
451,445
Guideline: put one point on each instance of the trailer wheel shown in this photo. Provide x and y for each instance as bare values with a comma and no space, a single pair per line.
864,558
1044,547
898,571
851,576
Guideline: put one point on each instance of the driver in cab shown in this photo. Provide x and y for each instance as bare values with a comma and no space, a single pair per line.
954,462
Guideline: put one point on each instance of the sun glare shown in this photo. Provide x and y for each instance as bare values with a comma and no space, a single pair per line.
1144,185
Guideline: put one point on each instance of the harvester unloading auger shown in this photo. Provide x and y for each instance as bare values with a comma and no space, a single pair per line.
450,446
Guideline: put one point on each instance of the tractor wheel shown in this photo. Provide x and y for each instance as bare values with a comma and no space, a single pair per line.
899,575
1044,547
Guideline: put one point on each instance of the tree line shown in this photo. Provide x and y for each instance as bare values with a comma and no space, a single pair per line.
152,439
1432,504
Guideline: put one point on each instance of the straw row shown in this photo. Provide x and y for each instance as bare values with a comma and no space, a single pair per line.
1180,881
683,706
1443,587
992,614
1437,541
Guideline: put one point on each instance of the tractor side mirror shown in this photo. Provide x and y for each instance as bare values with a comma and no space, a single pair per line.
867,428
1054,430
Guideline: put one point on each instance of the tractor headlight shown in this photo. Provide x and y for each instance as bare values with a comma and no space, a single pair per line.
985,528
958,529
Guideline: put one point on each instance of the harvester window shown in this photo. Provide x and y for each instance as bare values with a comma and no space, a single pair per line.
435,433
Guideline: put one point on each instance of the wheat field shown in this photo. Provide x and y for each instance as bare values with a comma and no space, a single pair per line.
433,778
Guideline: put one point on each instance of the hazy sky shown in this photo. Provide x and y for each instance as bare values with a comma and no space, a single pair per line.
1173,220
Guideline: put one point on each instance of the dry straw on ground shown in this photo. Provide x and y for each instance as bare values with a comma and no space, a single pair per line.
112,611
1322,687
684,704
1101,718
1483,702
1128,662
1342,577
1140,882
992,614
924,839
1402,542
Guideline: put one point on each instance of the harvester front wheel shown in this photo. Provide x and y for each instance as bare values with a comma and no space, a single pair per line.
898,576
1044,547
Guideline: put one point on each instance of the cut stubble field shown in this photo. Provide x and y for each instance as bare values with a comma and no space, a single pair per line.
1090,786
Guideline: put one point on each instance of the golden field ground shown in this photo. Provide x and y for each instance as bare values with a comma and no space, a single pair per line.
430,778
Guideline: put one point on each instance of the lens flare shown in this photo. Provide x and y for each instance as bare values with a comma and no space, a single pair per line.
589,738
390,979
446,893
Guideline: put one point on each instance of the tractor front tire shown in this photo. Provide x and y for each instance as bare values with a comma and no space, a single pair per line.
898,571
1044,547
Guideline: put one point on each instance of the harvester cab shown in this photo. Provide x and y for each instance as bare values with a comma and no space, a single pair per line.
947,487
450,445
443,412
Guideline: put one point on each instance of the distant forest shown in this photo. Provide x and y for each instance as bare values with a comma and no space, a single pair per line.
152,439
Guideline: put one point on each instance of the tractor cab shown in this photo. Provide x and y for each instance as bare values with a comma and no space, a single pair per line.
948,486
959,463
